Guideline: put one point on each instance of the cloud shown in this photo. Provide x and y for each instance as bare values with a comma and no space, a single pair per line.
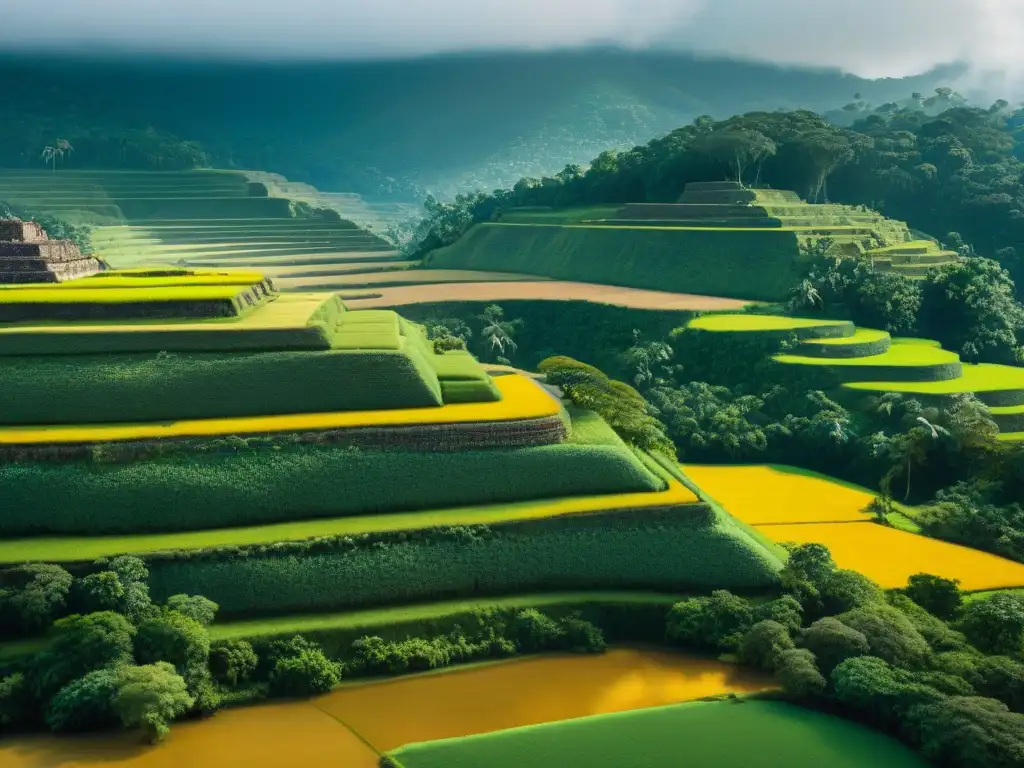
867,37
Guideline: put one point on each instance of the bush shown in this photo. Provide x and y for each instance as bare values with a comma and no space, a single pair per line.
785,610
85,704
764,644
150,697
582,636
968,731
939,596
304,674
798,673
232,661
995,624
534,632
36,595
844,590
718,621
195,607
101,591
1000,677
890,635
177,639
832,642
78,645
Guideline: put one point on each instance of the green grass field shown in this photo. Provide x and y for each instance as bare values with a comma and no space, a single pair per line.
750,733
995,384
757,323
904,359
761,264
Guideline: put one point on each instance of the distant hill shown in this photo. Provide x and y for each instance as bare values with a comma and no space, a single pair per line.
395,130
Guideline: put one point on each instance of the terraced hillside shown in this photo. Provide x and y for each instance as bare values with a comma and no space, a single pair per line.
306,456
836,354
204,218
720,239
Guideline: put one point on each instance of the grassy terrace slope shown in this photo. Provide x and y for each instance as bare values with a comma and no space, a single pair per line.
754,734
196,488
758,264
200,218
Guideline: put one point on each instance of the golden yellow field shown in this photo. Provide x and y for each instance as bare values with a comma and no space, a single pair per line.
765,494
889,556
521,398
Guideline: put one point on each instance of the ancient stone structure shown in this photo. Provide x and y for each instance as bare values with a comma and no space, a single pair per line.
28,255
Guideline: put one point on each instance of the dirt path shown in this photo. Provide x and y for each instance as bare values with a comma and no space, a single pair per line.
385,296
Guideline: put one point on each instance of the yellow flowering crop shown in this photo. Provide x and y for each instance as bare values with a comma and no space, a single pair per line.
760,494
889,556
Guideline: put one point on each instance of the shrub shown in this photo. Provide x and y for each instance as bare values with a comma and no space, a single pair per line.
939,596
195,607
844,590
36,595
85,704
890,634
798,673
832,642
1000,677
304,674
968,731
764,643
150,697
101,591
78,645
232,661
718,621
582,636
533,631
995,624
785,610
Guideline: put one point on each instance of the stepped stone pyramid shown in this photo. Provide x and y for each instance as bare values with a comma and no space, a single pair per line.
854,231
28,255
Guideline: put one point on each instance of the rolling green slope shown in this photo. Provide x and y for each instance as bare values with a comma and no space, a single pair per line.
748,264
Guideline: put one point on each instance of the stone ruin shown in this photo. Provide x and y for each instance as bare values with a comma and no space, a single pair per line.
28,255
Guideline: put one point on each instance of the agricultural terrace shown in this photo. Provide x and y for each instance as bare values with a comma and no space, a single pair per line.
204,218
771,324
997,385
789,505
552,290
713,734
365,278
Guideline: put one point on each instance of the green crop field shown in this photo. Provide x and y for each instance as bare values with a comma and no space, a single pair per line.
231,487
744,264
756,323
661,548
994,384
752,734
865,342
904,359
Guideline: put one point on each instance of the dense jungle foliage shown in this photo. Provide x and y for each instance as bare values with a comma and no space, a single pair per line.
961,171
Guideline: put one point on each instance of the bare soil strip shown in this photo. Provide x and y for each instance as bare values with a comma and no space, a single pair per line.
549,290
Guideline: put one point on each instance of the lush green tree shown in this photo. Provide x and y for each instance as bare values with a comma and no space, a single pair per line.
832,642
195,607
616,402
970,308
582,636
86,704
499,333
999,677
966,731
995,624
798,673
763,644
785,610
303,674
890,634
134,575
101,591
937,595
233,661
938,634
78,645
150,697
535,632
16,702
175,638
886,300
877,689
34,596
843,590
717,621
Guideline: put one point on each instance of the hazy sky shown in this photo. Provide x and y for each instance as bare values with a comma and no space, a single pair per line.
868,37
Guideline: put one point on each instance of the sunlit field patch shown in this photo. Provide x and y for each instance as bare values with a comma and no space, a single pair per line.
889,556
764,494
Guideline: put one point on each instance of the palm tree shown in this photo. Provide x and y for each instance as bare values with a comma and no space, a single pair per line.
498,331
51,153
911,448
805,295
